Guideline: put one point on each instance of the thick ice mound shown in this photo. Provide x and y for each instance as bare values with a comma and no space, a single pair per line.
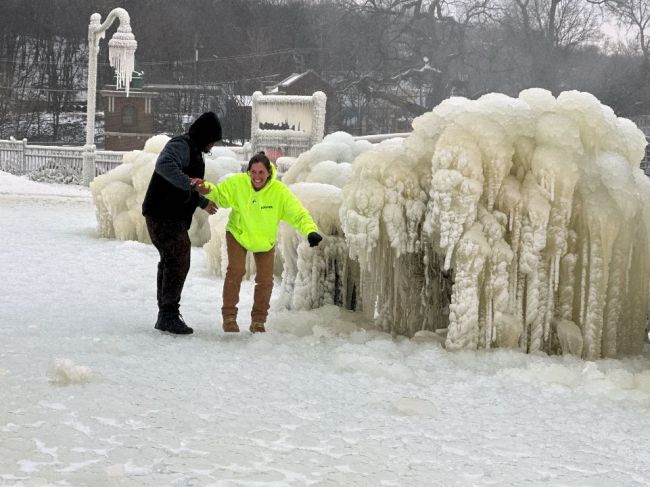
328,161
512,222
118,194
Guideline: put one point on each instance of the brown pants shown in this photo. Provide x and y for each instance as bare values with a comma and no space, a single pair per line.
235,273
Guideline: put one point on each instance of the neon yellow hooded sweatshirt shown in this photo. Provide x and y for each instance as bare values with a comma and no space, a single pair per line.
255,215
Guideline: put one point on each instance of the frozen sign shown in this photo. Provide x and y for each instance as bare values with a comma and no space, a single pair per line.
285,116
287,125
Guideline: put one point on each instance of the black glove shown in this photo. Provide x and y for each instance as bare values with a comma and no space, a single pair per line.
314,239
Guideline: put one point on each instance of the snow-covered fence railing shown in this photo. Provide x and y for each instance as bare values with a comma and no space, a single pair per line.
376,138
18,157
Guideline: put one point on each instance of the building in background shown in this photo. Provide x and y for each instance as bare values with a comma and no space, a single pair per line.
128,120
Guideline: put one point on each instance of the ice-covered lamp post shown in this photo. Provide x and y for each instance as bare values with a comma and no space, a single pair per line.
121,55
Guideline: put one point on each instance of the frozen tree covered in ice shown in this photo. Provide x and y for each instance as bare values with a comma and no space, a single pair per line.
118,194
507,222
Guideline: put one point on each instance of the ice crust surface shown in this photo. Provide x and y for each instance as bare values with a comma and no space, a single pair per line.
323,399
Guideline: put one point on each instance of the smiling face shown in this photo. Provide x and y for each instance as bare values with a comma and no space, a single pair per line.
259,175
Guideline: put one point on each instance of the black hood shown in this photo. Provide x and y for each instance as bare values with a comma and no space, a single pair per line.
205,130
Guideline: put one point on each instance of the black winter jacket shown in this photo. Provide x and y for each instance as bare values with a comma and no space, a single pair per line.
170,196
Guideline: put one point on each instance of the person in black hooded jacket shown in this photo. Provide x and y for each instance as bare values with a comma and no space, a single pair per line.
168,207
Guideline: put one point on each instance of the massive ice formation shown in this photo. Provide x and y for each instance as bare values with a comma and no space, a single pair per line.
119,193
521,223
508,222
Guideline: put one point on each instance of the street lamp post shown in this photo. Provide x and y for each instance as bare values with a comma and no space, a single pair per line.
121,56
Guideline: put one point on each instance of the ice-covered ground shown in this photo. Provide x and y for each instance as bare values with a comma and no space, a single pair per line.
92,395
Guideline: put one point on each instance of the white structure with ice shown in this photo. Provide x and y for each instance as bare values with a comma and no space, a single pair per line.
287,124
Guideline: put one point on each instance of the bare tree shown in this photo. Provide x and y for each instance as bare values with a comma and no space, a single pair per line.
635,16
418,50
547,31
389,60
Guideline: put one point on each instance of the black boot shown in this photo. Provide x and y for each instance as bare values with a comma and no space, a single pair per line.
158,325
172,322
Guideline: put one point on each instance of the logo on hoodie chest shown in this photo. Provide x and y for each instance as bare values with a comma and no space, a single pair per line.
263,207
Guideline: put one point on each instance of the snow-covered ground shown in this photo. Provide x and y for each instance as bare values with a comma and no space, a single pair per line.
92,395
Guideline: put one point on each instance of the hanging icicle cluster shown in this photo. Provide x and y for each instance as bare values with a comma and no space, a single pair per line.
121,51
507,222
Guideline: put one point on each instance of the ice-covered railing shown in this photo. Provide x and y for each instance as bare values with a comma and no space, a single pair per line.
61,164
508,222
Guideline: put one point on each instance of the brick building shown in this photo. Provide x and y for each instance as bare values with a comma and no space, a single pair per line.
128,121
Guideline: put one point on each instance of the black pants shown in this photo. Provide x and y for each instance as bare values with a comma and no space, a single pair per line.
171,239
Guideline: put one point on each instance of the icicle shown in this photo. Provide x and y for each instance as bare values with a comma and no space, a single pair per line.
548,312
629,268
593,325
121,56
448,254
492,185
583,283
489,323
514,244
552,188
512,285
522,306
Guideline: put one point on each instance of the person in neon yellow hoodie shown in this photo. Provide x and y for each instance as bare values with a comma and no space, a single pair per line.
258,201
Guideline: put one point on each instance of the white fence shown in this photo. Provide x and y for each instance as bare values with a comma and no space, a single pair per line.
18,157
375,139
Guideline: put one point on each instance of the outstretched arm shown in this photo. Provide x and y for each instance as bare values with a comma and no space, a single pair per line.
221,193
298,217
